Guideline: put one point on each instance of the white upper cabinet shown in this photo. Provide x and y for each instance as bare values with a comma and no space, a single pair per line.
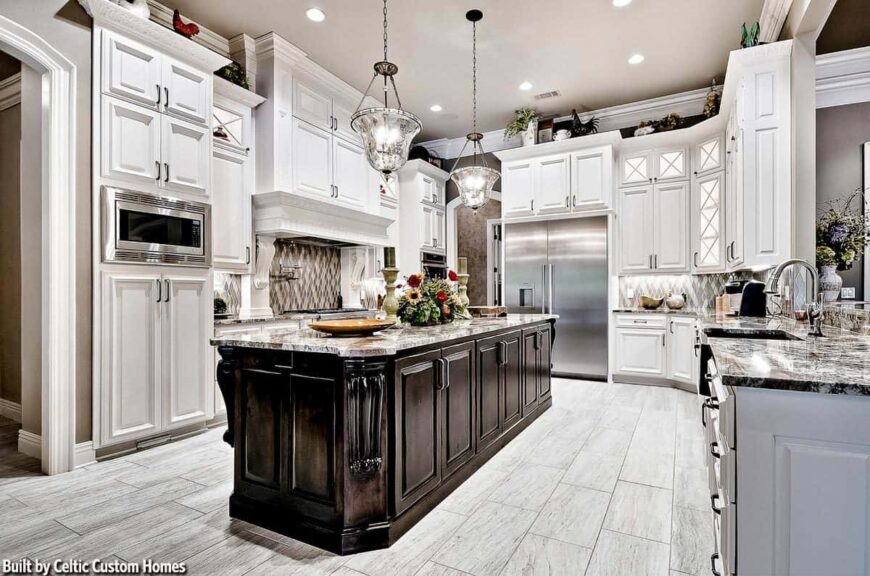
659,165
186,154
517,189
671,164
312,159
635,168
312,104
130,142
350,174
708,223
635,229
131,70
552,185
438,232
231,210
186,92
709,155
428,230
430,192
671,227
341,113
592,178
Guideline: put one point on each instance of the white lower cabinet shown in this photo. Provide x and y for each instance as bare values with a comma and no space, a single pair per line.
682,363
640,351
156,365
656,346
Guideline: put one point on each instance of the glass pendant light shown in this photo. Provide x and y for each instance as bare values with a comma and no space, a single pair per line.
386,132
475,182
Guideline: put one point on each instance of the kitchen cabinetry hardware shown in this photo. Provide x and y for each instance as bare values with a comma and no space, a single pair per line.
695,259
713,499
157,162
574,201
566,202
713,557
166,169
671,328
166,92
248,255
159,290
710,404
714,450
168,291
533,205
158,96
640,321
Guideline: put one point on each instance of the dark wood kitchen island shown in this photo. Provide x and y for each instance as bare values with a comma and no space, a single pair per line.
346,443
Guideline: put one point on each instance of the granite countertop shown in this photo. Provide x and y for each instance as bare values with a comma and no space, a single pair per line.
231,320
837,363
686,311
386,343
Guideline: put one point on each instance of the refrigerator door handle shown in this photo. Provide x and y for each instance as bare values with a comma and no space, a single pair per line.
543,288
552,290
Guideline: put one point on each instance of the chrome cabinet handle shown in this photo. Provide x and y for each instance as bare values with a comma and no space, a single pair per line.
166,176
713,499
157,162
247,254
158,95
168,292
695,259
713,557
166,92
714,450
159,290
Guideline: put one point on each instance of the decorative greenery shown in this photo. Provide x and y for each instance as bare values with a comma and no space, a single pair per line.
220,306
235,74
669,122
842,232
749,38
428,302
522,119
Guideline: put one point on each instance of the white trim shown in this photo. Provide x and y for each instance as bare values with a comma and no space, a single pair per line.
162,15
10,91
30,444
773,15
237,94
452,241
58,241
843,78
85,454
10,409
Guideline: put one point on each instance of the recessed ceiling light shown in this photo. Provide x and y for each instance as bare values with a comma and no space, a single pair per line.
315,14
621,3
526,86
435,108
636,59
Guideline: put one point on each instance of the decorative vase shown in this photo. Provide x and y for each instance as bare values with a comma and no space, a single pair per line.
463,289
529,136
391,303
830,283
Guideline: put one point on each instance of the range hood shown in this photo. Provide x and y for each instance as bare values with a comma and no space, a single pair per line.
287,215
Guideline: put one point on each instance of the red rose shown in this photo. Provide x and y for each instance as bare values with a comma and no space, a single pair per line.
414,280
453,276
441,295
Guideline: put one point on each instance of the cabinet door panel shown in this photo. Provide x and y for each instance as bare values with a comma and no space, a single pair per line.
312,402
131,357
513,378
518,190
131,70
131,142
428,227
640,351
708,223
187,322
635,168
187,92
490,391
552,187
671,225
681,350
532,358
418,428
351,174
709,155
672,164
311,104
231,211
438,222
635,229
342,114
459,406
186,155
312,159
546,344
591,179
263,401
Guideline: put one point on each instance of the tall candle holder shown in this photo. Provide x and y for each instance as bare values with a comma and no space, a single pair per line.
391,303
463,289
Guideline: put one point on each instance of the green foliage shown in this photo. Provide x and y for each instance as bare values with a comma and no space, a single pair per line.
842,232
220,306
522,119
235,74
429,302
749,37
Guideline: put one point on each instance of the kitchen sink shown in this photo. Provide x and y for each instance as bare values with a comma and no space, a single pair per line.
750,335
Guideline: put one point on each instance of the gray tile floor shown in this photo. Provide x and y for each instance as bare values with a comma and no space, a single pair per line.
610,481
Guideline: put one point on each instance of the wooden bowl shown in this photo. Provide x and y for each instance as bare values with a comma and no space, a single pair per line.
352,326
649,303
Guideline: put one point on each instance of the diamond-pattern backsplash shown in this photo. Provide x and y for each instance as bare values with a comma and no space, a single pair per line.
229,287
317,282
700,291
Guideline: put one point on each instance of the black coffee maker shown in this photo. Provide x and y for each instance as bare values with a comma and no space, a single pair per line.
754,300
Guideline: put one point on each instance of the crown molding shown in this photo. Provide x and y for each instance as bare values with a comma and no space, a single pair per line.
412,167
773,16
111,16
10,91
843,78
211,40
271,44
235,93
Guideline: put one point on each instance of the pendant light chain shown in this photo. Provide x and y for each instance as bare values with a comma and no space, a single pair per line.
474,76
385,30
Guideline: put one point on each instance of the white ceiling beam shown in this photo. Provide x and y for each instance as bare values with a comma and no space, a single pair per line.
773,16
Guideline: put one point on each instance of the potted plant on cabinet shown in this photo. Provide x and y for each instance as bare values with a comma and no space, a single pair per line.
525,122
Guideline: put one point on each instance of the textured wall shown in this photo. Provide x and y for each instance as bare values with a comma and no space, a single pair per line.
10,254
841,132
319,278
471,242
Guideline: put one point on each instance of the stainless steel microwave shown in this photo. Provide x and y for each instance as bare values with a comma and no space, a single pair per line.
146,228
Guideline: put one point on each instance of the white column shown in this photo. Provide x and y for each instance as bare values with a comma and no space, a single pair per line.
255,287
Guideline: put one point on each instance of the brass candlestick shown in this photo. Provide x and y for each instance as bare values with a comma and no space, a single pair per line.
463,289
391,303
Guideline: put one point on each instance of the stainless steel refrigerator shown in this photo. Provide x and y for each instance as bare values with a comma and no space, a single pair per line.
560,267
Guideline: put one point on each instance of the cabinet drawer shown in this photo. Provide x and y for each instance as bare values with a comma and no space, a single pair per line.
642,320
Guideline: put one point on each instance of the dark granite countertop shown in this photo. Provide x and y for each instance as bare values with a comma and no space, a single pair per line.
837,363
386,343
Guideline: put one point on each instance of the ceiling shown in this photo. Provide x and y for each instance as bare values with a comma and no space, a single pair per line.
579,47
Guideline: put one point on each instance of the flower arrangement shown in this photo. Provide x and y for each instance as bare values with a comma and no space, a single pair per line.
842,232
522,119
429,302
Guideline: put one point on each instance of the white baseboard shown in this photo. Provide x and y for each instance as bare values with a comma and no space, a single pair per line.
11,410
85,454
30,444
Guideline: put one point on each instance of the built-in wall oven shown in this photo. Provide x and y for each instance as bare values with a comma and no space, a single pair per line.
433,265
147,228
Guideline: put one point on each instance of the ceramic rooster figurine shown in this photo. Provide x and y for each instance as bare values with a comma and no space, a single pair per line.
187,30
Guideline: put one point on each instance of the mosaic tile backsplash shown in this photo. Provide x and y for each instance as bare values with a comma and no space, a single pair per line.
700,291
229,287
316,283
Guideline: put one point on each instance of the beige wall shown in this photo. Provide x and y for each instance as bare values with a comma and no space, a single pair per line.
64,25
10,254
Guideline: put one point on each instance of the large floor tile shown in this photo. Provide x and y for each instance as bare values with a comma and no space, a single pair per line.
474,491
691,541
620,417
642,511
573,514
540,556
556,451
597,471
618,554
485,542
608,441
528,487
234,556
691,488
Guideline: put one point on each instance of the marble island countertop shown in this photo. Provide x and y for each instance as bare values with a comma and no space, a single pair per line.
685,311
386,343
837,363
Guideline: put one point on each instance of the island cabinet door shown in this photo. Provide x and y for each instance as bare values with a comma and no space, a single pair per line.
532,358
512,361
544,364
490,391
261,400
459,406
417,446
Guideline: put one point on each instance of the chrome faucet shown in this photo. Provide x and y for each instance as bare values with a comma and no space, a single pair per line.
815,306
